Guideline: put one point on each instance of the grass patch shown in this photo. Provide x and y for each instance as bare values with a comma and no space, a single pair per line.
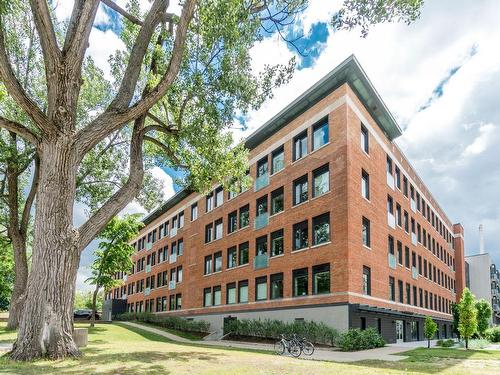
193,336
433,354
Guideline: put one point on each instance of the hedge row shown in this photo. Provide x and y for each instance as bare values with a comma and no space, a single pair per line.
356,339
318,333
172,322
493,334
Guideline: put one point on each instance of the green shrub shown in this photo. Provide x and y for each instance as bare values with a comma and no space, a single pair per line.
476,344
493,334
171,322
356,339
318,333
439,342
445,343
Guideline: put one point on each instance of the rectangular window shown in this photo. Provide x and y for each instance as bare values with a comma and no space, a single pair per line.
364,139
209,202
217,295
406,222
367,283
397,173
209,229
277,286
300,146
366,232
218,229
392,292
243,253
278,160
320,134
261,207
415,295
261,288
277,201
321,181
181,220
231,293
208,264
194,212
365,185
408,294
390,205
219,196
300,235
261,245
299,282
400,291
207,297
277,246
218,261
405,186
300,194
232,222
180,247
232,259
321,279
262,167
407,257
171,302
244,216
321,229
398,215
400,252
243,291
389,166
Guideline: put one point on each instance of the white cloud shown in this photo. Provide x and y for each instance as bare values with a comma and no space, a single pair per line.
481,142
102,44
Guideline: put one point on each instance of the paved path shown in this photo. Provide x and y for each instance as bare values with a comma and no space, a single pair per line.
5,347
385,354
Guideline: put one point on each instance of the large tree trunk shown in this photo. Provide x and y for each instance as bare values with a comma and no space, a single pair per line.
46,325
20,279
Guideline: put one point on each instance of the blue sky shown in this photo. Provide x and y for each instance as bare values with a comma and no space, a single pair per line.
440,77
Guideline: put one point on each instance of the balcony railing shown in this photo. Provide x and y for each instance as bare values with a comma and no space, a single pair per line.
149,245
261,261
147,291
391,220
148,268
413,205
414,239
414,273
390,180
172,258
173,232
392,261
171,284
261,221
261,182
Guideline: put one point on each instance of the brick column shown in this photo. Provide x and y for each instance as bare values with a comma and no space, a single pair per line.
458,244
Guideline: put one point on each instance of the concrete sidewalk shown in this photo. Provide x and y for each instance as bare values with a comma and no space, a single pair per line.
386,353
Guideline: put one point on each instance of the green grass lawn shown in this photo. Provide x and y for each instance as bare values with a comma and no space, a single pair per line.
116,349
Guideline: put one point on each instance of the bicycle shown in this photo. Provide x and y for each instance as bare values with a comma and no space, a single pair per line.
306,346
291,345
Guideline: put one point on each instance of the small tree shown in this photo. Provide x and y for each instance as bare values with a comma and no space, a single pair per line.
455,309
467,323
113,255
484,312
430,329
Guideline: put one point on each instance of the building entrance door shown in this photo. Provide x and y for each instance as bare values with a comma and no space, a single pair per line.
399,332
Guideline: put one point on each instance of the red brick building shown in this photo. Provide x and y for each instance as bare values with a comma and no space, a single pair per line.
338,227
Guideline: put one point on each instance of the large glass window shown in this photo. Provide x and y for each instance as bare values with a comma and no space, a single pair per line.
320,134
194,212
300,190
218,229
367,282
262,167
300,235
365,185
232,222
209,202
364,139
244,216
277,286
208,264
207,297
261,288
392,292
262,205
321,181
219,196
277,247
300,146
209,229
180,247
217,295
277,201
278,160
181,220
231,293
321,229
232,259
243,291
243,253
366,232
299,281
218,261
321,279
261,245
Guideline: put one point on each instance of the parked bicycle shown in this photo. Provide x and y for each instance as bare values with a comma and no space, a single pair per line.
306,346
290,345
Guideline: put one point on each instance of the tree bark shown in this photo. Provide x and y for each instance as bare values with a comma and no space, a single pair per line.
20,279
94,301
46,325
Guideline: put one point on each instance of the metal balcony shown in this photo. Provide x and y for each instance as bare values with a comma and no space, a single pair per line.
391,220
390,180
149,245
147,291
260,261
414,239
413,205
261,182
261,221
171,284
414,273
172,258
148,268
392,261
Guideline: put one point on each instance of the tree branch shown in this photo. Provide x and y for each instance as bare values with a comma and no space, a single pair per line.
123,12
19,129
117,114
16,91
31,197
123,196
169,152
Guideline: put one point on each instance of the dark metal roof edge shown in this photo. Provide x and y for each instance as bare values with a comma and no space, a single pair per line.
176,198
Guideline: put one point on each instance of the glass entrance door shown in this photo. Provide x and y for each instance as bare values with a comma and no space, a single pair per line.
399,331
